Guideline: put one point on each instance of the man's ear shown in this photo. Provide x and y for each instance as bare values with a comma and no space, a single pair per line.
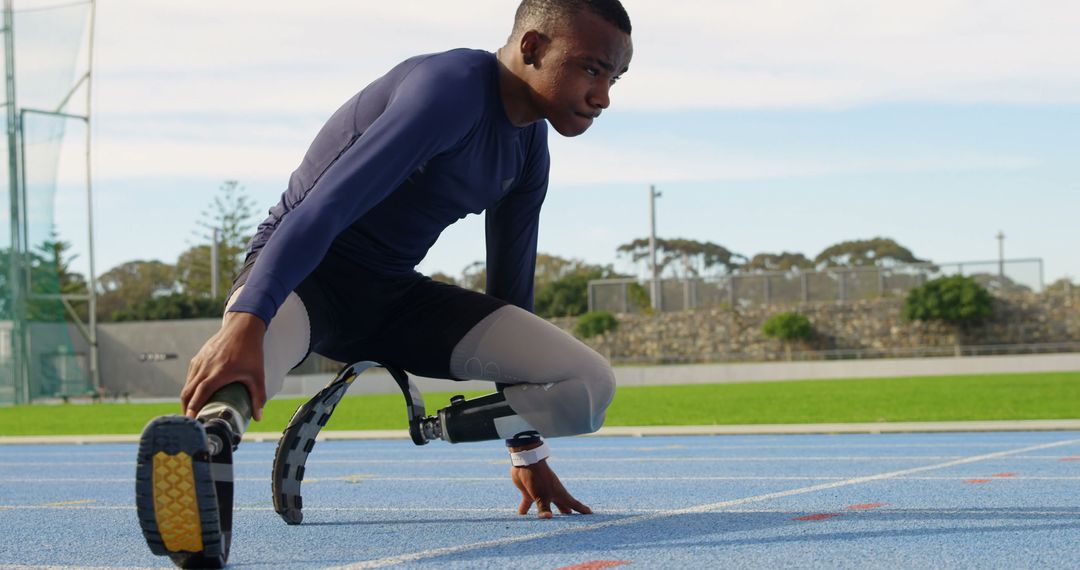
533,45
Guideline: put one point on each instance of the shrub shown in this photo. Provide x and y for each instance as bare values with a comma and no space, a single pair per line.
788,327
957,300
595,323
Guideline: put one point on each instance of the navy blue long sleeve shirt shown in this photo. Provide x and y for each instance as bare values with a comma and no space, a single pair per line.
415,151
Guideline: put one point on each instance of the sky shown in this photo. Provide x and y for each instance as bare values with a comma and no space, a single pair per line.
767,126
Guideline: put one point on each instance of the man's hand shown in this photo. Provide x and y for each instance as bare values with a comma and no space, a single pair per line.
539,484
234,354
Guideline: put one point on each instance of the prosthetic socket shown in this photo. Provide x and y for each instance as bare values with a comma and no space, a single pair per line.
480,419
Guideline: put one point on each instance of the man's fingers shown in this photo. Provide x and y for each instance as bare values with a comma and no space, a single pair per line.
567,505
580,507
189,387
257,387
526,498
202,394
543,508
571,501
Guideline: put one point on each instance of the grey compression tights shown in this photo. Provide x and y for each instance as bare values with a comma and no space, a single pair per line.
559,386
284,346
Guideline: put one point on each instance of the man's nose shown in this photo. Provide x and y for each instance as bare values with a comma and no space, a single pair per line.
599,97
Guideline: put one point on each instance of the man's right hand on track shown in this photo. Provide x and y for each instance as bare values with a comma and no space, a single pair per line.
233,354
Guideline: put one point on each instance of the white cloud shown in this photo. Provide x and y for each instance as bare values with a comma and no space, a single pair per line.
274,56
841,53
669,159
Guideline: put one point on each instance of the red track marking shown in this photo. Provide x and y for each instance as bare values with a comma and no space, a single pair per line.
595,565
1009,474
865,506
816,517
975,481
1073,458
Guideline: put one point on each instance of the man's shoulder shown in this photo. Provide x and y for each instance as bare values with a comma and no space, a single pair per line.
464,65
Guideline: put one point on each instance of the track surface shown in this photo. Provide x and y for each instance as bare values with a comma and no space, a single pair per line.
987,500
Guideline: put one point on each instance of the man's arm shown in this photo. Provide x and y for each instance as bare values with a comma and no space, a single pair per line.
512,228
424,117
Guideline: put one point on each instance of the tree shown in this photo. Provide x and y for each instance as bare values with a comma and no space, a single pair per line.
443,278
785,261
133,282
50,274
172,306
48,264
193,272
474,276
566,297
686,258
562,285
958,301
230,213
880,252
788,328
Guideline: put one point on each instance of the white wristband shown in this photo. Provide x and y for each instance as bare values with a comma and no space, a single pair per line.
530,457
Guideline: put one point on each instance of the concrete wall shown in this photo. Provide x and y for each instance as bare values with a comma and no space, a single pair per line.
150,359
839,369
735,335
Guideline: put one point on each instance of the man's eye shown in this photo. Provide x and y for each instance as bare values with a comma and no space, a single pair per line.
592,71
614,80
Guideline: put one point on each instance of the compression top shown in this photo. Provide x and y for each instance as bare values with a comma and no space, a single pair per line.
418,149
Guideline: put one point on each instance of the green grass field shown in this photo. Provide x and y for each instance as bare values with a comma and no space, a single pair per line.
942,398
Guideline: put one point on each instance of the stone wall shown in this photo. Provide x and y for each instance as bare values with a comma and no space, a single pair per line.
723,334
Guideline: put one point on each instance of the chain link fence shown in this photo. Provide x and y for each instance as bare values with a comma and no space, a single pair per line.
839,284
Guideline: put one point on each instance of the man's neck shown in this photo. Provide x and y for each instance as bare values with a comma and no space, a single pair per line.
513,90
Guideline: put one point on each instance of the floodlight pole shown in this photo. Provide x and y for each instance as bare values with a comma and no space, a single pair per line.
214,264
1001,253
20,376
95,372
655,291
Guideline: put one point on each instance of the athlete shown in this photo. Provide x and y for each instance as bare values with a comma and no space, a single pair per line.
332,269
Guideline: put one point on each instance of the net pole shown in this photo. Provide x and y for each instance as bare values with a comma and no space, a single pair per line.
20,375
95,373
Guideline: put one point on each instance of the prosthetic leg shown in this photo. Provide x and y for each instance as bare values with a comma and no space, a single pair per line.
480,419
184,489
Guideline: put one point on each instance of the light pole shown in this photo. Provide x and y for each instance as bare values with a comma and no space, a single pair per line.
1001,253
214,264
654,283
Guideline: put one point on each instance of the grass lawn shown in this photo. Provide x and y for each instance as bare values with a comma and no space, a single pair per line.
937,398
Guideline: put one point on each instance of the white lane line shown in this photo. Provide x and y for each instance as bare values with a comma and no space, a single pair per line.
509,511
561,458
436,552
58,567
388,479
570,448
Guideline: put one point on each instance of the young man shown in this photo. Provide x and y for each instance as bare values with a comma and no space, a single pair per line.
332,269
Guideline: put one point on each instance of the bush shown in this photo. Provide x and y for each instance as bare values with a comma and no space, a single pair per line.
595,323
788,327
174,306
566,297
959,301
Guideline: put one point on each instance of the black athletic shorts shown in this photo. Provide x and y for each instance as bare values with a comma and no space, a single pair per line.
410,321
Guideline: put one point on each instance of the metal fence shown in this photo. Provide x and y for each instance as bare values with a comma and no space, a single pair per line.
839,284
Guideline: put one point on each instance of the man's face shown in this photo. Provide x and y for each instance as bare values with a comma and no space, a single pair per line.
577,70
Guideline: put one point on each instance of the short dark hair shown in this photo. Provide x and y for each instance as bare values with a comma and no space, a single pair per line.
538,12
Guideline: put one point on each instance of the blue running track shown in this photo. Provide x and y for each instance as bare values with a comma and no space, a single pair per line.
987,500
